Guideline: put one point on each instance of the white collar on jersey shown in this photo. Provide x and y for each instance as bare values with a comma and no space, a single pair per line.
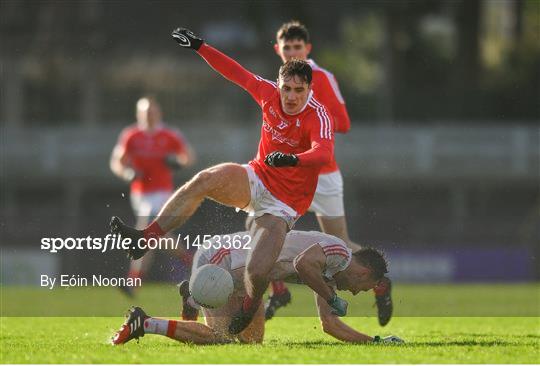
301,110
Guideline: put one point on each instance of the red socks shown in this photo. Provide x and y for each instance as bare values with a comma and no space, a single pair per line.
250,305
153,231
278,287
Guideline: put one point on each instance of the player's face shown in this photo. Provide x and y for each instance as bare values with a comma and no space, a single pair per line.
294,93
356,279
148,114
293,48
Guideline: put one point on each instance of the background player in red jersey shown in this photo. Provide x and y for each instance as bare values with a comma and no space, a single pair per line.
293,41
276,187
145,156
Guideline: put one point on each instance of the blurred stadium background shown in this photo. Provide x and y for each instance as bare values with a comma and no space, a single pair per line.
441,166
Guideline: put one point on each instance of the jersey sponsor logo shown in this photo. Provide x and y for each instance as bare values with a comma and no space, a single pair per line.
282,125
277,136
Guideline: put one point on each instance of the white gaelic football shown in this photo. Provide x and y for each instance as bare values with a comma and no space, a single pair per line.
210,286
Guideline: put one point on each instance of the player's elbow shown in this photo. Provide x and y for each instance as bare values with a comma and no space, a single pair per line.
343,129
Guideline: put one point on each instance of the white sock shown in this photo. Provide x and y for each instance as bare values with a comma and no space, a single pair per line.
156,326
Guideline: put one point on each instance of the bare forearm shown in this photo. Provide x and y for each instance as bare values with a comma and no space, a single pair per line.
339,330
120,170
309,273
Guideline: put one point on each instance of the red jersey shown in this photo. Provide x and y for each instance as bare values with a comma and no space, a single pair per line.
326,90
308,134
146,152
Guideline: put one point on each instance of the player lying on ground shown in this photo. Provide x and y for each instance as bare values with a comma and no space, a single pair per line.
321,261
293,42
276,187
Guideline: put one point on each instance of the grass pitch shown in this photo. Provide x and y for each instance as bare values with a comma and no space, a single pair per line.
289,339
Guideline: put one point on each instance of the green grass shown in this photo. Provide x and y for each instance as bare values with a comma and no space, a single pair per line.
288,339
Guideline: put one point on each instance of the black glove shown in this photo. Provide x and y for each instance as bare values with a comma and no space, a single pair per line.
187,39
172,162
278,159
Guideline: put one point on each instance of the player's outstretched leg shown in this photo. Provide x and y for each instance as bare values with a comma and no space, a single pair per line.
189,312
133,327
226,183
138,324
280,297
383,298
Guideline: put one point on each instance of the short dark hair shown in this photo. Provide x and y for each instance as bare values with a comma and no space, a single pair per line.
373,259
293,30
295,67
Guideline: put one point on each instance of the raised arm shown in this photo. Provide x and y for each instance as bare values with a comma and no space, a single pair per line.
226,66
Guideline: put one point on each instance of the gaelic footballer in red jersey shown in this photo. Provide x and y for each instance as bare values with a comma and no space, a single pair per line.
293,42
276,187
145,156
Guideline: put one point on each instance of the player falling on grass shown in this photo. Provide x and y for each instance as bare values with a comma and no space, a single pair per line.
321,261
145,156
293,42
275,188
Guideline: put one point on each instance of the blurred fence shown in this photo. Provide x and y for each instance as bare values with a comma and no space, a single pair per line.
32,156
447,203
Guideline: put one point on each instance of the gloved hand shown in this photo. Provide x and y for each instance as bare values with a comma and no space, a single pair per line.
338,305
172,162
187,38
388,340
278,159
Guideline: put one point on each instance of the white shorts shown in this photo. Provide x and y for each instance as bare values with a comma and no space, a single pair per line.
328,199
149,204
263,202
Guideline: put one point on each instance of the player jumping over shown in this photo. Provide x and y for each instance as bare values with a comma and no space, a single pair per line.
321,261
293,42
275,188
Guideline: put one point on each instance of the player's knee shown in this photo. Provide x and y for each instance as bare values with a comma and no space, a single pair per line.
203,180
275,225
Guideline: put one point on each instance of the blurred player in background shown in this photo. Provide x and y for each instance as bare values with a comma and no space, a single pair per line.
293,42
145,156
322,262
276,187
